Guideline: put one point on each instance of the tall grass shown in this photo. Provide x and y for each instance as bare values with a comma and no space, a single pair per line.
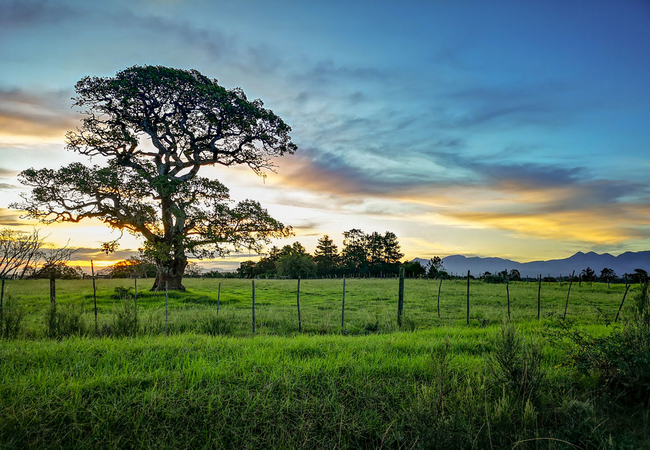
427,389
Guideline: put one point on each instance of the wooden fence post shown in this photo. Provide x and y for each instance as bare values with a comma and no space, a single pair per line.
439,288
627,288
135,303
166,308
253,286
218,298
566,307
508,294
298,304
2,298
343,307
468,297
539,297
52,289
400,297
92,270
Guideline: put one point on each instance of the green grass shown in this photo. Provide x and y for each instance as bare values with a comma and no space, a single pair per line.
212,384
371,305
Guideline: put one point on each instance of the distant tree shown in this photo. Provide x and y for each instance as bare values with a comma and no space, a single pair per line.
607,275
413,269
375,250
55,264
435,267
588,274
326,256
354,256
267,264
392,253
135,266
514,275
639,276
296,265
246,269
294,249
152,189
19,252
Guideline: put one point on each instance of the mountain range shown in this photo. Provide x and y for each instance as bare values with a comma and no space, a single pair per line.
621,264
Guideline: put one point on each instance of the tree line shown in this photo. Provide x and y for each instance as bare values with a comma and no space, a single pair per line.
363,254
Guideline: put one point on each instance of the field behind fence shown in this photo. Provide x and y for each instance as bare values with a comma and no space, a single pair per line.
371,305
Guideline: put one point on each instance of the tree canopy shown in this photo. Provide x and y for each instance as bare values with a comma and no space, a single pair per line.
155,127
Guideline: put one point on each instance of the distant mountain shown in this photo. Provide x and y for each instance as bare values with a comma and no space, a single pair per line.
623,263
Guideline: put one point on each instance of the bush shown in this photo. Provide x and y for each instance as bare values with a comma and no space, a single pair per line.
620,360
61,321
12,318
125,319
516,364
122,293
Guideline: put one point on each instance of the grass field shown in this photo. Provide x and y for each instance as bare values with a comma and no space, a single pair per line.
370,304
434,383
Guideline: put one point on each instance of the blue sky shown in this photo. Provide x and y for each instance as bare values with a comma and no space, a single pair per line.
504,128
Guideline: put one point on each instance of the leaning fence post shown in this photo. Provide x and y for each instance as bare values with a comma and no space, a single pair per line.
439,288
298,304
218,298
468,297
166,308
92,270
567,295
539,297
343,307
400,297
627,288
253,286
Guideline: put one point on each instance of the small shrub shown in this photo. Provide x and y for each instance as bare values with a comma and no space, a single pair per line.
515,363
620,360
61,321
122,293
12,318
125,319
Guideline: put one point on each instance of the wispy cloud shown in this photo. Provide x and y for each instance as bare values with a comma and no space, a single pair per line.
36,115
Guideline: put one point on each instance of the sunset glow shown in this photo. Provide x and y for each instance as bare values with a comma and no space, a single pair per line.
513,129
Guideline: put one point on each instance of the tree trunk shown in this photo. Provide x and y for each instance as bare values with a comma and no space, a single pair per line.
170,273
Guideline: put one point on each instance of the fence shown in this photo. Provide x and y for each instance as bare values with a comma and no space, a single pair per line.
290,306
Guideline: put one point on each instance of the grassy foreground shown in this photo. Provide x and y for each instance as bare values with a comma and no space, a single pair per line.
433,383
438,388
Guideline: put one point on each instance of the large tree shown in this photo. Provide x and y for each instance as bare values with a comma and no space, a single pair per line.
157,127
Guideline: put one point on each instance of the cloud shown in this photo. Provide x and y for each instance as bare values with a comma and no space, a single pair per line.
11,218
7,173
20,13
88,253
7,186
37,114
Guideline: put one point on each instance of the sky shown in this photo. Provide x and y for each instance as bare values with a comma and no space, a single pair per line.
518,129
